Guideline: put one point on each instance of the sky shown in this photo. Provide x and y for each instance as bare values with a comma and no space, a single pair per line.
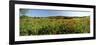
46,12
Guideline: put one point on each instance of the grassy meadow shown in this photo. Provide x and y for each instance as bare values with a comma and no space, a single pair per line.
52,25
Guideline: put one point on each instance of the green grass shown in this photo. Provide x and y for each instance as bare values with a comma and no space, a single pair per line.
47,26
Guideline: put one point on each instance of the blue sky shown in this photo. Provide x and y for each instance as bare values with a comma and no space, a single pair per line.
45,13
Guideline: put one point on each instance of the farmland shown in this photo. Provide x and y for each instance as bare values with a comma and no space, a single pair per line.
54,25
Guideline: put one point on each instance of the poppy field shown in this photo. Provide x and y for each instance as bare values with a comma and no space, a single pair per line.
52,25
